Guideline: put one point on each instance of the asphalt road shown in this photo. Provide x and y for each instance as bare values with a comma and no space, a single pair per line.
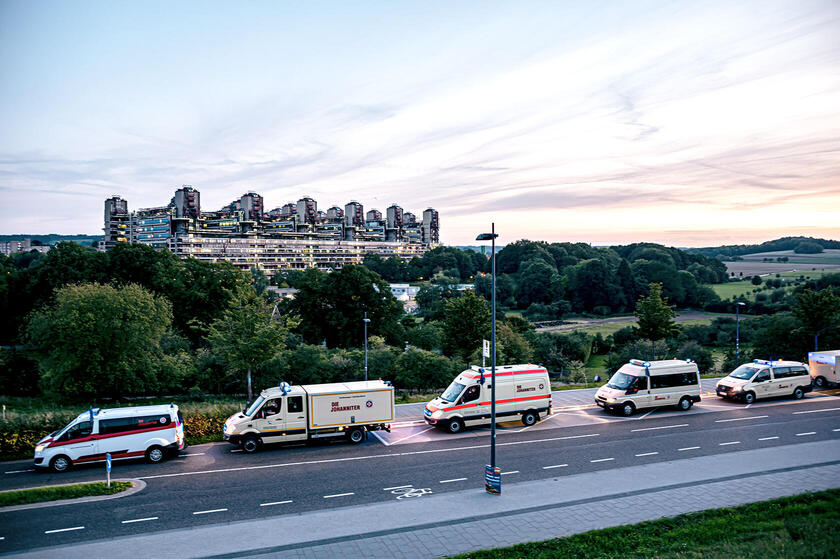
213,484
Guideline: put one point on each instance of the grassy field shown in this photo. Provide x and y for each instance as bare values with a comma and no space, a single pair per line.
613,327
793,527
43,494
745,287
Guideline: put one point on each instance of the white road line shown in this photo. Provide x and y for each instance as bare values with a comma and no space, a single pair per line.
688,448
381,439
236,450
805,434
657,428
729,443
338,495
195,454
410,436
647,414
768,438
741,418
64,530
19,471
510,472
210,511
139,520
646,454
397,487
274,503
747,406
555,466
602,460
2,538
816,411
453,480
835,430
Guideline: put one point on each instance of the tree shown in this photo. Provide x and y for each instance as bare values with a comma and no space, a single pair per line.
655,316
808,247
100,340
756,280
467,322
817,311
245,335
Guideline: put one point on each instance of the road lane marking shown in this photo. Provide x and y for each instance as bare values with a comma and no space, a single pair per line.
647,414
19,471
338,495
555,466
741,418
139,520
64,530
805,434
274,503
816,411
453,480
602,460
658,428
2,538
209,511
768,438
195,454
688,448
747,406
409,436
397,487
729,443
835,430
646,454
236,450
511,472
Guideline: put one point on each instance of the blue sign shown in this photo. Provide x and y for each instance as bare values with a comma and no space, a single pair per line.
108,462
493,480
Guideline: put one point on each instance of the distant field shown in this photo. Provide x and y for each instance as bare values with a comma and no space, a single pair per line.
752,264
745,287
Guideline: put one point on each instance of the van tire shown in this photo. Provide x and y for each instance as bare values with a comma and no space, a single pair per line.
749,397
529,418
798,393
155,454
685,403
820,383
60,464
251,444
356,435
627,409
454,426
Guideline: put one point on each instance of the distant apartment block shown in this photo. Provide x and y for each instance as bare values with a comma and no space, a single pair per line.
294,236
23,245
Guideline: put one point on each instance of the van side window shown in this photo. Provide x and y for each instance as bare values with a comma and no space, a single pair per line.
762,376
640,383
295,404
271,407
117,425
798,371
153,421
472,393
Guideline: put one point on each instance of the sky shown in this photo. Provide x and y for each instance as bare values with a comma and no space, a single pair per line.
683,123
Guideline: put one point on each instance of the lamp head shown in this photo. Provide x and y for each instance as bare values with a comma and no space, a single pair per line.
486,237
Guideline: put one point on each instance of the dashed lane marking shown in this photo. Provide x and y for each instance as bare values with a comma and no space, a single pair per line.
210,511
19,471
453,480
658,428
195,454
274,503
688,448
806,434
338,495
397,487
510,472
602,460
741,418
554,466
768,438
816,411
729,443
64,530
139,520
646,454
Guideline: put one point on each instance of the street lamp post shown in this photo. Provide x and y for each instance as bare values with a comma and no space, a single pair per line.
738,332
366,320
492,238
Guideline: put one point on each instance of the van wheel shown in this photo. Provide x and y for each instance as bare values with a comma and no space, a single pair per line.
749,397
685,404
529,418
250,444
455,426
356,435
798,393
628,409
155,454
820,383
60,464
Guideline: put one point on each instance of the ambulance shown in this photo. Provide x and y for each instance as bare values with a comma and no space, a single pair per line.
299,413
765,379
825,367
649,384
522,391
153,432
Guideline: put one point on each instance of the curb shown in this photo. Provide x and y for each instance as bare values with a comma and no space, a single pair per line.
137,485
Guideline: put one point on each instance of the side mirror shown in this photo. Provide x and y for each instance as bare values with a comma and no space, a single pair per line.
597,378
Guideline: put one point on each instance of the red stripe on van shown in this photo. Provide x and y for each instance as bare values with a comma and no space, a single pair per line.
504,373
98,437
487,403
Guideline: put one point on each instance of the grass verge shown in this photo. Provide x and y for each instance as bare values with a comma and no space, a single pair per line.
800,526
43,494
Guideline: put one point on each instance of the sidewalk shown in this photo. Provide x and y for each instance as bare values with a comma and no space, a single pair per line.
457,522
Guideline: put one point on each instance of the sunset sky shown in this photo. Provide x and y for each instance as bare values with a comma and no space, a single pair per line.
684,123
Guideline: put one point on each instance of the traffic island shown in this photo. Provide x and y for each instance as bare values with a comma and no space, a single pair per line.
52,495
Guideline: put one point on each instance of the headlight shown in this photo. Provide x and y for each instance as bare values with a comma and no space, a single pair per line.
737,388
438,414
611,400
40,448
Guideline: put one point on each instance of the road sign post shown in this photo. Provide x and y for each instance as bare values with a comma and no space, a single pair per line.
108,469
485,351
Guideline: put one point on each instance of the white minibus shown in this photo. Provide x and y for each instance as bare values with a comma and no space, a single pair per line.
649,384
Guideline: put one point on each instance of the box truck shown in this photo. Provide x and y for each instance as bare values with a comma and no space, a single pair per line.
299,413
522,391
825,367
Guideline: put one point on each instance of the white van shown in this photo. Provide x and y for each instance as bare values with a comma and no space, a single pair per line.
825,367
650,384
765,379
521,390
124,433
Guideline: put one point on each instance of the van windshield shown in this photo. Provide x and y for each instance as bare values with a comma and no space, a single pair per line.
621,381
744,372
255,406
452,392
